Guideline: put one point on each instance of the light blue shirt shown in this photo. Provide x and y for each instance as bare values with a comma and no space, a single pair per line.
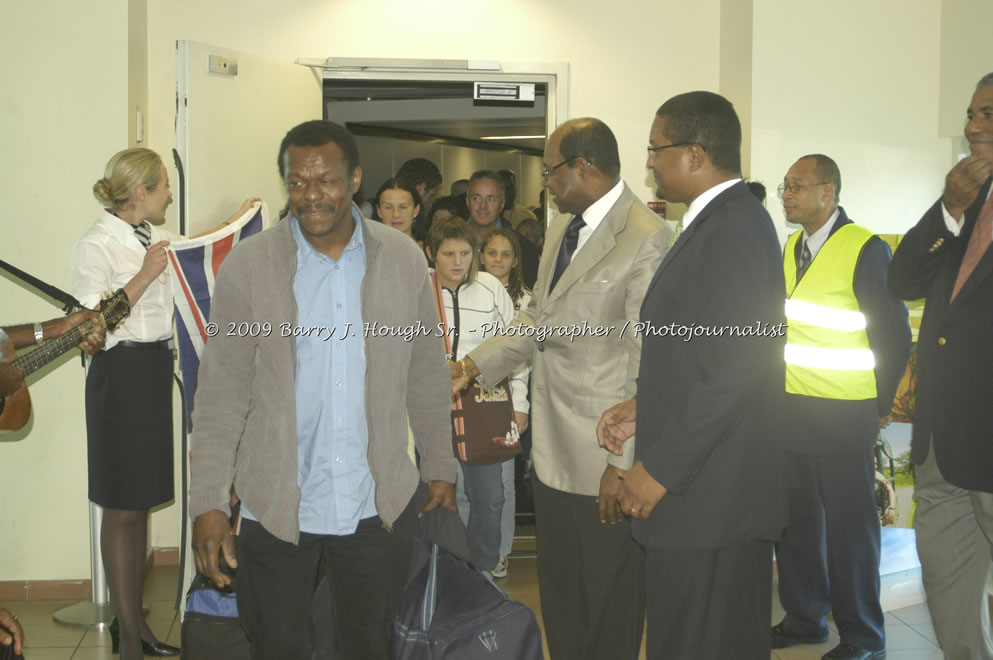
337,489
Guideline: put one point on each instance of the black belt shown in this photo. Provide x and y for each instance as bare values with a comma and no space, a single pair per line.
163,345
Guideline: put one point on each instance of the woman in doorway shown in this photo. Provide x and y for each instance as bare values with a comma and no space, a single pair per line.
398,205
501,257
475,305
129,384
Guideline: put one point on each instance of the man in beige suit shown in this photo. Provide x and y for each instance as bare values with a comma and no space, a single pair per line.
579,331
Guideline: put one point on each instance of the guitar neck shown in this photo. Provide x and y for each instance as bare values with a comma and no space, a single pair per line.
48,351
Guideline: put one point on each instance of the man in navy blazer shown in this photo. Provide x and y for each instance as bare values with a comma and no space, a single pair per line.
705,488
946,259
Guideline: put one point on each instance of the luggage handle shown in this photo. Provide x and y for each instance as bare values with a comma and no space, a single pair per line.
430,600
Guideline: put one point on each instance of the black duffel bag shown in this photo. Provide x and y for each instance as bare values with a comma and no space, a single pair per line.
452,610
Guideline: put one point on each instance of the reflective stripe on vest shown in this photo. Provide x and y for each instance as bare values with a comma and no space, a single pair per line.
827,349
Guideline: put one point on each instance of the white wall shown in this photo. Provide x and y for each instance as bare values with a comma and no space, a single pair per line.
965,58
857,81
553,31
63,113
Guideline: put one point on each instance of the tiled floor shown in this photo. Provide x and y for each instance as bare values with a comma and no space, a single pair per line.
47,640
908,630
909,636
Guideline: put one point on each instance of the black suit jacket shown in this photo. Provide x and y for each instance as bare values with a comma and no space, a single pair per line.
955,361
708,406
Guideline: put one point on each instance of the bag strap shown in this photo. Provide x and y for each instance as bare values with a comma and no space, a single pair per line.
439,305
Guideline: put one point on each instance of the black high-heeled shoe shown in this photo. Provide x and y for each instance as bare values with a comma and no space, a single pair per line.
148,648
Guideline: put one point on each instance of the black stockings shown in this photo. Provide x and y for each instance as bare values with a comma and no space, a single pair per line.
123,541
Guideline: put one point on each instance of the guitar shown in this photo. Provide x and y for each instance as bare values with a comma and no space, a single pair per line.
15,409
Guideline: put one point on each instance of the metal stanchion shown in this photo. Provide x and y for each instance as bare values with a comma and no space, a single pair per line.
96,612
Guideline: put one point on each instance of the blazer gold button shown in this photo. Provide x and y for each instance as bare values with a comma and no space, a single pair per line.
941,341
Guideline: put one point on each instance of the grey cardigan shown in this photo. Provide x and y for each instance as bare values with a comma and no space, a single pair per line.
244,420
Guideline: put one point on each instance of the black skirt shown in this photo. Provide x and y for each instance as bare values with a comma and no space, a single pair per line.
129,427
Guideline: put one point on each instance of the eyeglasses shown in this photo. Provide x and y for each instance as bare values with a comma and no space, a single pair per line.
549,171
794,188
653,151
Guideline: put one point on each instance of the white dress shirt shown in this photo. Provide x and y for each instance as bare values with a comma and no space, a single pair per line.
698,204
104,260
817,240
955,226
595,214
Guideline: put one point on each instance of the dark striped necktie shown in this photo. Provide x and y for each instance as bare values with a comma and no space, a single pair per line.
143,232
566,248
804,261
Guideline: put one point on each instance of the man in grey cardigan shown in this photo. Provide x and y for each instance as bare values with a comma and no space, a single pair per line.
325,344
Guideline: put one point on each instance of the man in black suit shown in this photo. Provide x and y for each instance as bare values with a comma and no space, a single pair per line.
705,489
846,349
945,258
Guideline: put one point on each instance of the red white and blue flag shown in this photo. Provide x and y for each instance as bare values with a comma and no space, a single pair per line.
194,265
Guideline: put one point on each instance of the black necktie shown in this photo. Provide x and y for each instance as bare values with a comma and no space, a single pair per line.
143,233
804,261
567,248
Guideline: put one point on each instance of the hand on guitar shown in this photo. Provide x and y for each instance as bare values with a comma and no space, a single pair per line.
94,341
84,328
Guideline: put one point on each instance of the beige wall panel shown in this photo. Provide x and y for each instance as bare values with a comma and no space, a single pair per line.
63,113
860,84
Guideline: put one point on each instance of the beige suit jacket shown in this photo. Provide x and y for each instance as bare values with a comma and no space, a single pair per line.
588,359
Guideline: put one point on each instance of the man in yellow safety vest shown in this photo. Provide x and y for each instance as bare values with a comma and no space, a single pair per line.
846,346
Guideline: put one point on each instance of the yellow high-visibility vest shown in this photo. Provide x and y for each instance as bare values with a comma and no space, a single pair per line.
827,349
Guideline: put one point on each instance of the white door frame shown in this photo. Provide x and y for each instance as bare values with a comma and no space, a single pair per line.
555,75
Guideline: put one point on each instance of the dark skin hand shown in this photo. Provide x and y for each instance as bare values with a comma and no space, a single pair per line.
13,625
616,425
640,492
963,182
20,336
610,490
440,493
212,537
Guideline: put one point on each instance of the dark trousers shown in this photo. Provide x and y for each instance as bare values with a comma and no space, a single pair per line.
366,572
828,558
709,603
591,579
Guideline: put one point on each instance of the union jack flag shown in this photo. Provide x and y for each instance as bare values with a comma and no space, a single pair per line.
194,265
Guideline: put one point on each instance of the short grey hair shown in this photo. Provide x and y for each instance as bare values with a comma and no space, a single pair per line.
827,170
985,81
